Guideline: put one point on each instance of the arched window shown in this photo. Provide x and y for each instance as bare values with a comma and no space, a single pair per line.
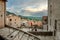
10,19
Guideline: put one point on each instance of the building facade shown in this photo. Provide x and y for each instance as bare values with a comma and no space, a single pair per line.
45,19
13,21
2,13
54,17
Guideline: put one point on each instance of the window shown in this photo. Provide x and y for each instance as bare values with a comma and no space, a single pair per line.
45,20
50,6
55,24
50,11
10,19
1,15
50,21
15,19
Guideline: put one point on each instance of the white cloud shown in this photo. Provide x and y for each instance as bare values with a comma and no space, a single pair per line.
30,6
11,9
38,8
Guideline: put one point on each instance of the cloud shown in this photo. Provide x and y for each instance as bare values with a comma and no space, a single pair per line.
40,14
13,9
28,7
25,3
36,14
36,9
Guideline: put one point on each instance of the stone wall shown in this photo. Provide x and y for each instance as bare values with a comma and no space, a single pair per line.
2,13
46,37
53,16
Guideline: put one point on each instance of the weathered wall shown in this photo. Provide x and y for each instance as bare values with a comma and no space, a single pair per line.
15,21
2,13
46,37
54,14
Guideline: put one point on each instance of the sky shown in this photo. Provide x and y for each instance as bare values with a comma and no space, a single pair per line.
36,8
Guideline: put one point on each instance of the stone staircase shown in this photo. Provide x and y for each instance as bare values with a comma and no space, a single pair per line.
11,33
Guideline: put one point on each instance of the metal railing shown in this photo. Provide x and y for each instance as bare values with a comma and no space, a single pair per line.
17,34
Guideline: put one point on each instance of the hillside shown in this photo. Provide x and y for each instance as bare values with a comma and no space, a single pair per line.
32,18
8,13
26,17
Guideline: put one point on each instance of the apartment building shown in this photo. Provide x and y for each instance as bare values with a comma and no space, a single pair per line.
13,20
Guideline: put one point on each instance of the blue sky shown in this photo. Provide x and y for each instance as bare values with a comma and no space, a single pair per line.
37,8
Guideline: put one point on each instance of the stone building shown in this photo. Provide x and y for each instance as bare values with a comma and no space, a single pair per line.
13,20
45,19
54,17
2,13
24,23
45,22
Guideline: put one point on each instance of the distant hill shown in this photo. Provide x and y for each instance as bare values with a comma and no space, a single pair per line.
7,13
32,18
26,17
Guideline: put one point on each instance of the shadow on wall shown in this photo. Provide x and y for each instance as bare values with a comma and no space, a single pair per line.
2,38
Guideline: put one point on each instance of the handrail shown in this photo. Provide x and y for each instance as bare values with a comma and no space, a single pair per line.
22,31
